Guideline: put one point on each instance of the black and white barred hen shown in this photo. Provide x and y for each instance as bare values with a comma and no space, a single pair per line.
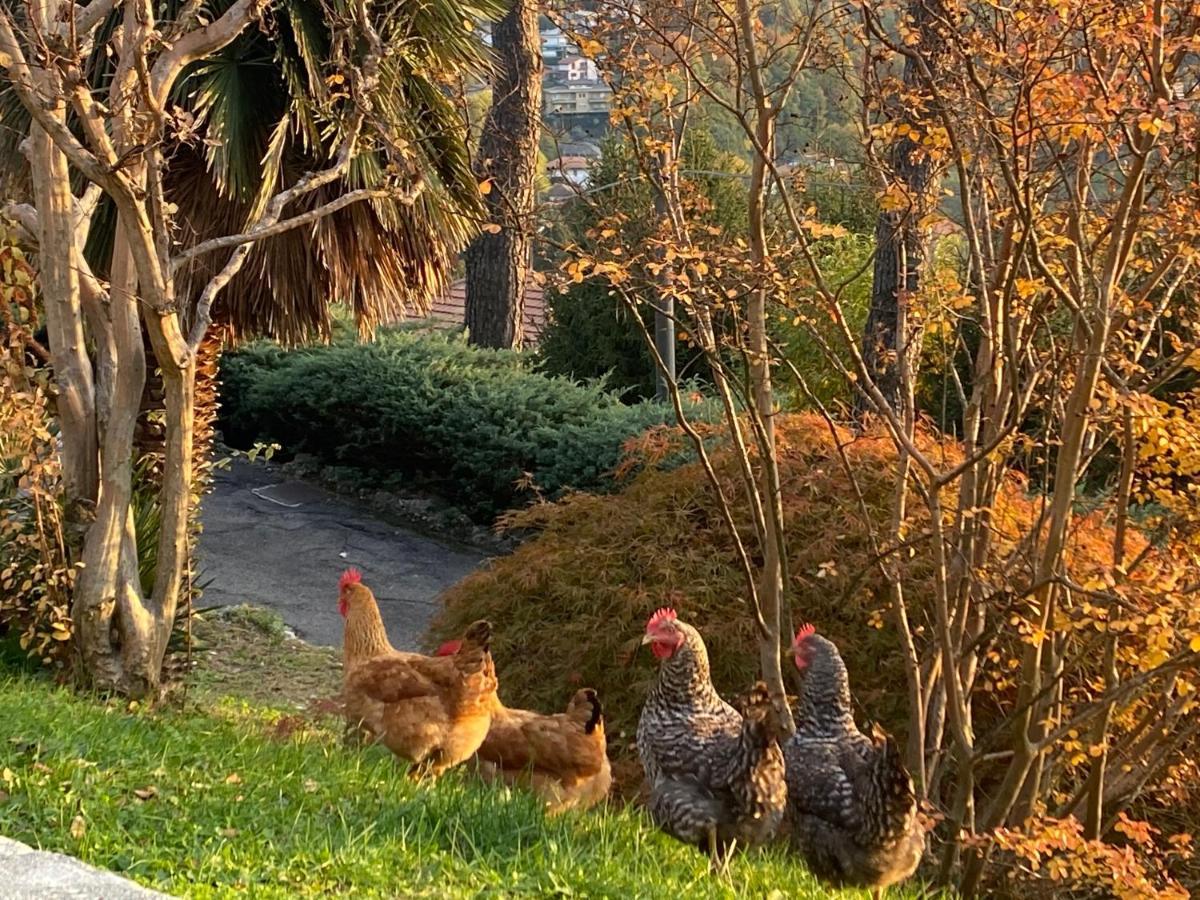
851,804
716,775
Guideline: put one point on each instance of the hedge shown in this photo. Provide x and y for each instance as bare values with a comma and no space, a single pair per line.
428,409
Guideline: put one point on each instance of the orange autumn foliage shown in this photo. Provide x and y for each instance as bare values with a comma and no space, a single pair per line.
568,604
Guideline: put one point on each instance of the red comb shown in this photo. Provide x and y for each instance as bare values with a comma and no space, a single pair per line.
666,614
449,648
807,630
349,577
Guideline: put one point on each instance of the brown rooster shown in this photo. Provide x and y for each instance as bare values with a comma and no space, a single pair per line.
432,711
851,804
716,776
562,757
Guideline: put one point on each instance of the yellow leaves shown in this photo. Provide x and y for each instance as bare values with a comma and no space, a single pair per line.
821,230
491,228
78,828
1139,832
485,186
894,199
576,270
590,49
1194,644
1154,126
1027,287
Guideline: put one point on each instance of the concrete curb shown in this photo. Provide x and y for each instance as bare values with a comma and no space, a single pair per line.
28,874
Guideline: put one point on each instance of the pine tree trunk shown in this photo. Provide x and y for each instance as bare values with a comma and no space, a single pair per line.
498,264
891,345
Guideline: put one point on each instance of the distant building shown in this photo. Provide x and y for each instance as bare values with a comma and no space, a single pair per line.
554,44
569,169
586,149
578,69
576,98
561,193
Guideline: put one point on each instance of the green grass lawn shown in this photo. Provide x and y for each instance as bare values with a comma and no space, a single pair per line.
223,796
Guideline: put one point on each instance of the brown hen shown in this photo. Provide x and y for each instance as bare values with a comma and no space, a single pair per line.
433,711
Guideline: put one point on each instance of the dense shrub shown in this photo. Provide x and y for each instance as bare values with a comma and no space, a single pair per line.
590,335
570,605
35,575
467,423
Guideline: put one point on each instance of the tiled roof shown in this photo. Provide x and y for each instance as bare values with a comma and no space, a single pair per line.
568,162
450,307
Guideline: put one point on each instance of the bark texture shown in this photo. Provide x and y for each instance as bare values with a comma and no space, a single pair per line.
498,263
892,336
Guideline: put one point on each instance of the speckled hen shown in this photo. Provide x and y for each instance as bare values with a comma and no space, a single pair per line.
851,805
716,776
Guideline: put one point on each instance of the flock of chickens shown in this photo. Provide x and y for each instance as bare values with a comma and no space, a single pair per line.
719,775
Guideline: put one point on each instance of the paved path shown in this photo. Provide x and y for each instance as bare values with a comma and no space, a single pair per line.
28,874
283,544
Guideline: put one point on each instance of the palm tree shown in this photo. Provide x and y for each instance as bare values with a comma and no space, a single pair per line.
255,116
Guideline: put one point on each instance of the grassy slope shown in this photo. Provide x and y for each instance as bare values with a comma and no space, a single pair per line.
229,796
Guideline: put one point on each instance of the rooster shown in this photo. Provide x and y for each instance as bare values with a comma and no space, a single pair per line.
851,804
562,757
716,776
432,711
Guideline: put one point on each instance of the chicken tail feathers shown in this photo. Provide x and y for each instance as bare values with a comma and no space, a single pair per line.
597,712
474,654
479,634
897,798
759,719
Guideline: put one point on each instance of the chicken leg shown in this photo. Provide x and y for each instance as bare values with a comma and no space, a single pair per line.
719,857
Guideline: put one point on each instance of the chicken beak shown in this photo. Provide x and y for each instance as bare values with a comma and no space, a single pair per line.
647,638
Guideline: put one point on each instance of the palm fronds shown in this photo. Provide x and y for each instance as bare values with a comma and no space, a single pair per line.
264,116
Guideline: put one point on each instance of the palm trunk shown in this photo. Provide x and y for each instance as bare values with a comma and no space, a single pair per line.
498,264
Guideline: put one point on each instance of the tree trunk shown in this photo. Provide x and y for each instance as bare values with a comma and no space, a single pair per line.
179,390
107,598
59,282
771,597
498,264
892,337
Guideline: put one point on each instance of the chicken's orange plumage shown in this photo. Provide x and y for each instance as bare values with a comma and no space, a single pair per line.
433,711
563,757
